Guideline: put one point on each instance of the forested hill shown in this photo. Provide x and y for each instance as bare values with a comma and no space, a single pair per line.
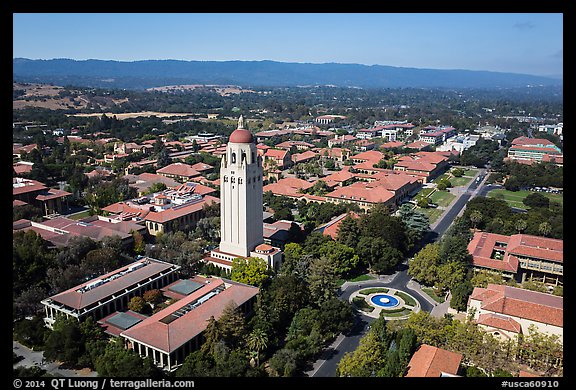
155,73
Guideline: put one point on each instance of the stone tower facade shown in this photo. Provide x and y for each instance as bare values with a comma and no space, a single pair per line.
241,226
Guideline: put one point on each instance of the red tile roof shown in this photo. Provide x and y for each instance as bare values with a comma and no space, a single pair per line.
22,186
307,155
362,192
532,141
370,155
52,194
517,302
171,214
429,361
331,228
170,336
179,169
276,153
288,186
78,300
500,322
392,144
483,244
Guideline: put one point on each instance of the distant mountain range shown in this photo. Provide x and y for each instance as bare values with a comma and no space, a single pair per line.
156,73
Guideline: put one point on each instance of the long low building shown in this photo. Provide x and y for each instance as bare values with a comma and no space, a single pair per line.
507,311
168,336
520,256
111,292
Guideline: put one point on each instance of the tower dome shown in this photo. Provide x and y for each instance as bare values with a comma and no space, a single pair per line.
241,135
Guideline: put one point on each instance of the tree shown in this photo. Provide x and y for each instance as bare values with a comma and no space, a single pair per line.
252,271
475,218
449,275
348,231
454,249
118,361
368,358
139,243
232,326
424,266
153,296
544,229
381,257
536,200
66,342
30,259
343,258
28,303
321,280
423,202
137,304
156,187
257,341
284,362
211,336
460,294
520,225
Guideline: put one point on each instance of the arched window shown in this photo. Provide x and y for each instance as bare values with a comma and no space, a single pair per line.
253,158
233,179
244,158
225,179
233,158
239,181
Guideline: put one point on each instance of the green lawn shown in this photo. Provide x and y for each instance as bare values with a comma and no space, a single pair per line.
340,282
361,304
514,199
442,198
471,172
460,181
433,214
374,290
80,215
403,313
442,176
424,192
430,291
407,298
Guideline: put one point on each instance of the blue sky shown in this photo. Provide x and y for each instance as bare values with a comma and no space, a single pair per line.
530,43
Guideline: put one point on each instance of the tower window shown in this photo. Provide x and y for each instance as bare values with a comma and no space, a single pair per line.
239,181
244,157
233,180
233,158
253,158
225,179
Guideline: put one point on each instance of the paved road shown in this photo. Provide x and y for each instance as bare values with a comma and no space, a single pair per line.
36,358
326,365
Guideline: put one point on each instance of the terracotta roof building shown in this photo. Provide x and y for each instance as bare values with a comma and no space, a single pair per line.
111,292
50,200
278,158
179,171
288,186
428,165
520,256
433,362
533,149
331,227
58,231
169,210
172,333
507,311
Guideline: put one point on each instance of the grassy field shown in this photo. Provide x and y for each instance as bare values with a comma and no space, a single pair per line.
432,214
471,172
424,192
442,198
403,313
407,298
460,181
514,199
430,292
442,176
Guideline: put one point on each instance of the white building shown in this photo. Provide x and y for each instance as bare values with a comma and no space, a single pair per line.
552,129
241,225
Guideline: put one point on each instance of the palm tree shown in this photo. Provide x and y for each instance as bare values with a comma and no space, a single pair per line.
520,225
475,218
257,341
544,228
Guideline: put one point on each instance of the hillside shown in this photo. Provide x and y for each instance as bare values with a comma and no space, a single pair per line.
157,73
